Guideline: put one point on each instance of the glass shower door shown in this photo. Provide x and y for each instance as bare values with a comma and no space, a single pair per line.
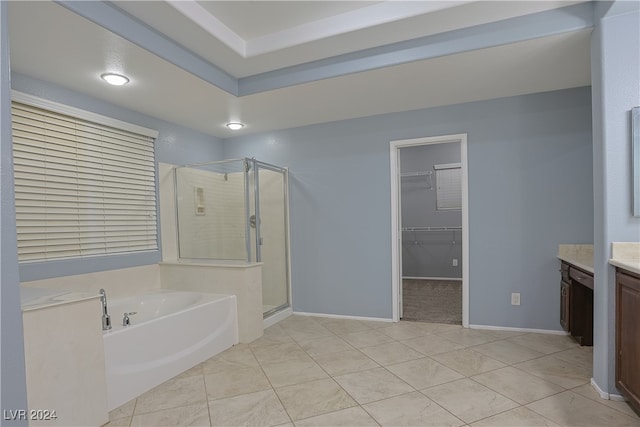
272,239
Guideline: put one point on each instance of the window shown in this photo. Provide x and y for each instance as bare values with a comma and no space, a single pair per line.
82,187
448,186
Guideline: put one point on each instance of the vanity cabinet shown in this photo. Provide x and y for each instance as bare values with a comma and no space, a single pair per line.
576,303
628,336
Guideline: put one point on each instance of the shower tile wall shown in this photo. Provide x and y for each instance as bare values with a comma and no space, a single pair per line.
218,230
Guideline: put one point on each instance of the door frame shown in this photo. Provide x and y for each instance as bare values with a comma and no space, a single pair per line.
396,219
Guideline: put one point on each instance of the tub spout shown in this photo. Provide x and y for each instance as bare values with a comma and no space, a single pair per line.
106,319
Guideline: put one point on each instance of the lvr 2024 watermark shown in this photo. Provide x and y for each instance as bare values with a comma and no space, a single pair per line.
30,414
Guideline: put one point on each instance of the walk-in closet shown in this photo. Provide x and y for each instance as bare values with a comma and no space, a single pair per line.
431,215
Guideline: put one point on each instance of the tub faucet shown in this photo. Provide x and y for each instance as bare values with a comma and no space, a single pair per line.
106,319
126,321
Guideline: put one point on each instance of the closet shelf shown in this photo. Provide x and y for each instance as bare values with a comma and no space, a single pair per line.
407,174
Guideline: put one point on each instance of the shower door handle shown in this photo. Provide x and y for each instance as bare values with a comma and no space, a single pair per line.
260,241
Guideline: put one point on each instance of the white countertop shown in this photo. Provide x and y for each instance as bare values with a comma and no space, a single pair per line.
37,298
580,256
626,255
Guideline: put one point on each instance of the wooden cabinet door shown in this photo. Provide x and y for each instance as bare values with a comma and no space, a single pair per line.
628,337
565,305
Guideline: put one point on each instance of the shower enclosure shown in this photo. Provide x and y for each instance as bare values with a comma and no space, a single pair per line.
236,211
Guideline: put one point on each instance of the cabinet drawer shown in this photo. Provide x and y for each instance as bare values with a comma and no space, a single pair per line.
581,277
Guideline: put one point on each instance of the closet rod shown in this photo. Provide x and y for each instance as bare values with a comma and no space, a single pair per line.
431,228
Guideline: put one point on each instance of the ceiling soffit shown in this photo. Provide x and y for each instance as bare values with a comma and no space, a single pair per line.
511,30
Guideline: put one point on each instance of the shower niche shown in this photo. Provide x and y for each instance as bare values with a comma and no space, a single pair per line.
234,212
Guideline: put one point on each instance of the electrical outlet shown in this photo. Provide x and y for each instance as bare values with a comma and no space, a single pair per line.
455,262
515,299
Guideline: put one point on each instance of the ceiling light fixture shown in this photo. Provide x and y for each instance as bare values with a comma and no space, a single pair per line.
235,125
114,79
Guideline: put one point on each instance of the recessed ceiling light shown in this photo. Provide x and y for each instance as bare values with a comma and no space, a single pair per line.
115,79
235,125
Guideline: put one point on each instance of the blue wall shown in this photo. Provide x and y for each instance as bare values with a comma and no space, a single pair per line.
615,56
175,144
530,189
13,388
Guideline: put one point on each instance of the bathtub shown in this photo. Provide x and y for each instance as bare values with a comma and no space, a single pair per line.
171,332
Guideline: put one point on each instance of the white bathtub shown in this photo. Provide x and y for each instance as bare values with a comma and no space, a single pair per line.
171,332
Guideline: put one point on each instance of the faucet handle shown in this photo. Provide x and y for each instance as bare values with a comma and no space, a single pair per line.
125,319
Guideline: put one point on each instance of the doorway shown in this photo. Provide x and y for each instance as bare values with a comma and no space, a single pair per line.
430,229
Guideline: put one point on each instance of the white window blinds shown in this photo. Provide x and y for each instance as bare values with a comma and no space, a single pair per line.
448,186
81,188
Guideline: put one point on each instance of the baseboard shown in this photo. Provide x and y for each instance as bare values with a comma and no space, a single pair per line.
601,393
605,395
505,328
340,316
451,279
276,317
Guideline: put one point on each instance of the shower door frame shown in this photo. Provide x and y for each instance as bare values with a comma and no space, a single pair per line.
396,234
257,165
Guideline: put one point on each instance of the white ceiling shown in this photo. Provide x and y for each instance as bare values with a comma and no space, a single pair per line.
51,43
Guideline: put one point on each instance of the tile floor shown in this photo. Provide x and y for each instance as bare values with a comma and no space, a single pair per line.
310,371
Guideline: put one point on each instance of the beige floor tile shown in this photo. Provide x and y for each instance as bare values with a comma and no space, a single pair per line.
411,409
375,324
239,356
122,411
279,352
435,328
190,415
391,353
305,329
518,385
468,400
572,409
468,362
355,416
290,372
507,352
545,343
196,370
424,373
172,394
517,417
581,355
366,338
560,372
330,344
235,381
119,422
274,334
262,408
345,362
404,330
432,344
314,398
468,337
500,334
374,384
587,391
345,326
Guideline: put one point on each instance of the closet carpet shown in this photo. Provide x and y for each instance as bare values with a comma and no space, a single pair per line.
438,301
